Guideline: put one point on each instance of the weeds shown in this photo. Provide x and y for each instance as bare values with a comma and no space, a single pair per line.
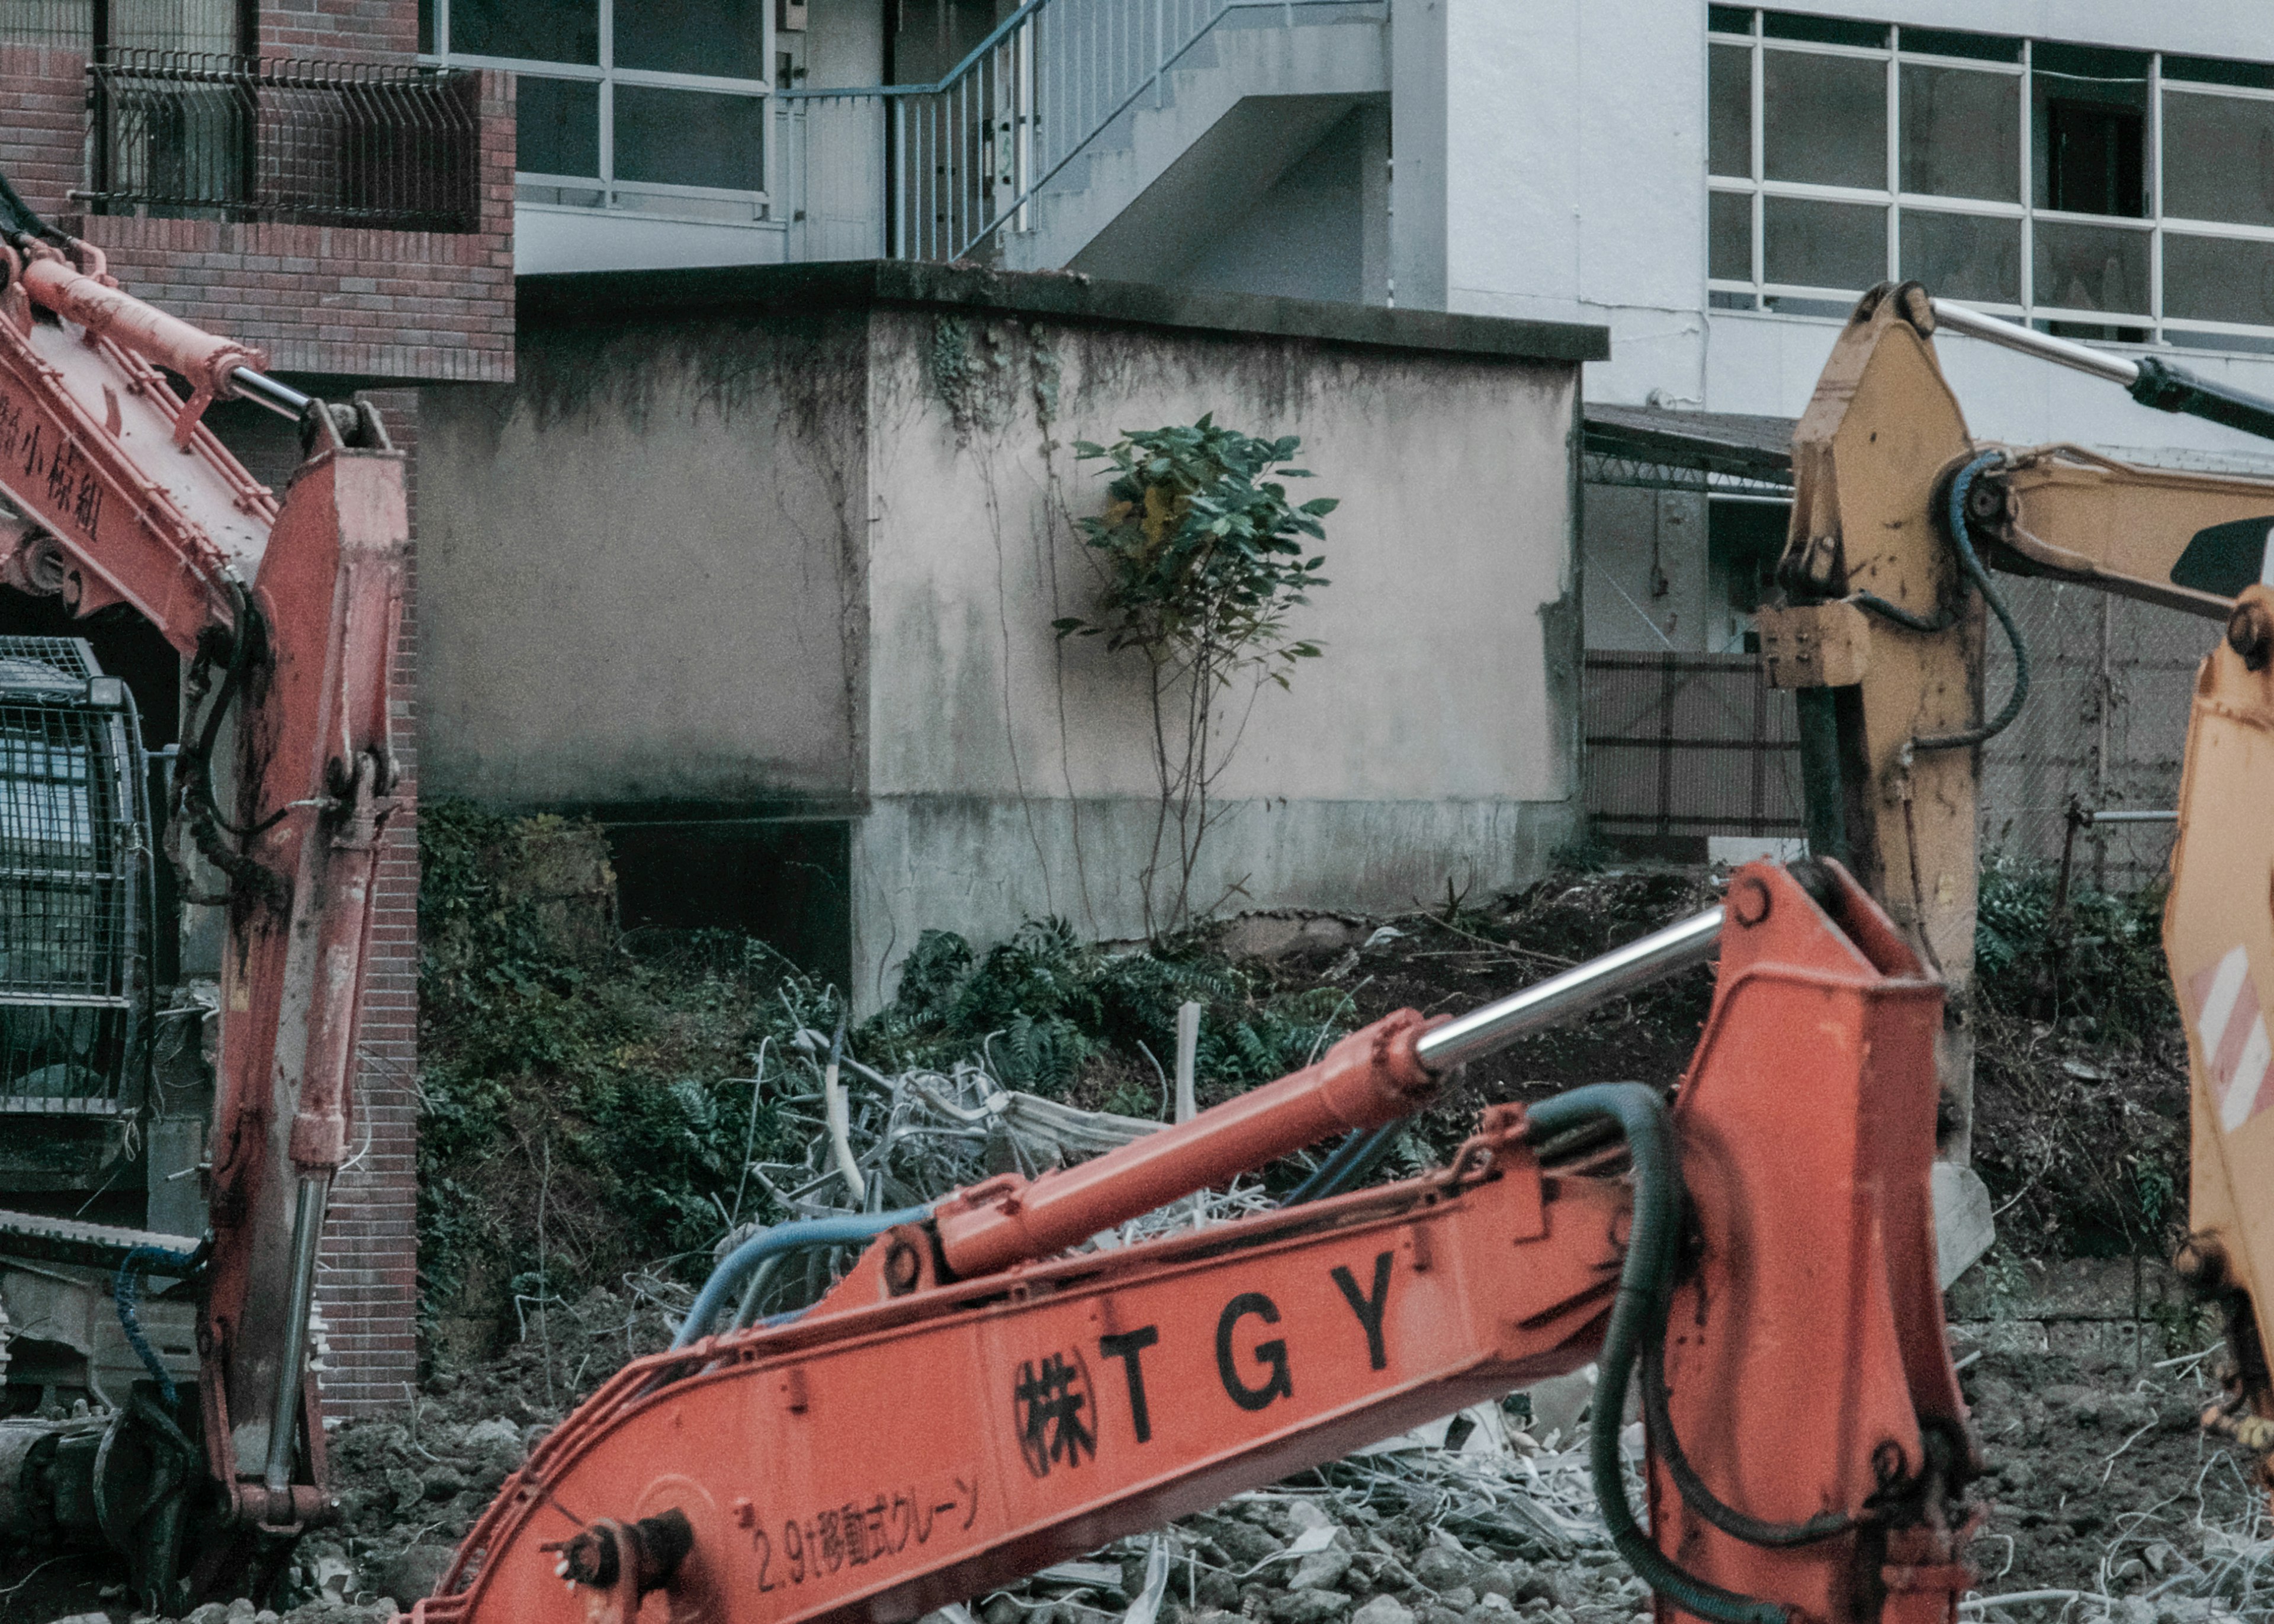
628,1063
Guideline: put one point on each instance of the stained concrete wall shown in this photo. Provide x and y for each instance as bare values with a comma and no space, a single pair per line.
640,571
723,548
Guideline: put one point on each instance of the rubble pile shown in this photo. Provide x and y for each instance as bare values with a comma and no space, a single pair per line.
2107,1505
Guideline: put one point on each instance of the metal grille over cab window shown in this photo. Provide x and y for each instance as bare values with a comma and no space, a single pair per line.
75,884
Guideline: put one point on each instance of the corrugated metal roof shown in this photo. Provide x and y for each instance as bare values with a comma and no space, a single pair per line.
1688,450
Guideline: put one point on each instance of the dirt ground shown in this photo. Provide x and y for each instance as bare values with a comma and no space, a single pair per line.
2101,1491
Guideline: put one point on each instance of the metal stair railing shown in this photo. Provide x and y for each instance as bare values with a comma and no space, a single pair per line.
964,158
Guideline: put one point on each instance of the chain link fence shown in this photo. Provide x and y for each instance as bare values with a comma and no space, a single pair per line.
2105,727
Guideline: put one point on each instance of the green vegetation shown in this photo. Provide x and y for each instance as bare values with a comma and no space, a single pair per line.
2080,1077
589,1101
1202,560
2099,962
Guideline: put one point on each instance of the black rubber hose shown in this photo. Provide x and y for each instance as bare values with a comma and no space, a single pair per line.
1940,621
1735,1523
22,220
1350,1162
1637,1316
1955,517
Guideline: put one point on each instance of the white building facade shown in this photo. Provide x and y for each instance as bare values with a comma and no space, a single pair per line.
1714,184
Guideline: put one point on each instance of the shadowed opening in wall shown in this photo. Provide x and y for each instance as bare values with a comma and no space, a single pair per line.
786,882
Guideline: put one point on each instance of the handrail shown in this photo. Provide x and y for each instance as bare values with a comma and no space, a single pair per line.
967,155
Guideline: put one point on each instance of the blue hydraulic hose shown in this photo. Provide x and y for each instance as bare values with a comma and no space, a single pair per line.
126,1286
726,1279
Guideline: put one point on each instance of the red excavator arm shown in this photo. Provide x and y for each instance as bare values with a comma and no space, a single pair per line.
289,617
973,1401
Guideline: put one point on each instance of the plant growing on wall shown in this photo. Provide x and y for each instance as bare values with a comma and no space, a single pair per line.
1204,558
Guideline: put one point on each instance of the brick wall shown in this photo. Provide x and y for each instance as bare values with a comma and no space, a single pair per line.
339,30
43,136
335,300
368,1285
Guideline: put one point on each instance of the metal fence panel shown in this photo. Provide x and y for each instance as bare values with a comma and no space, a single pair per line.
235,138
1689,744
2105,725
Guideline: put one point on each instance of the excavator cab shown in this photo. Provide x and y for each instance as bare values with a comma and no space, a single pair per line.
79,1024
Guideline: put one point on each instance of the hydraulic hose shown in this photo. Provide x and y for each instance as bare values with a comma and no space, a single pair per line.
1638,1317
1352,1160
125,1288
1954,514
18,219
727,1277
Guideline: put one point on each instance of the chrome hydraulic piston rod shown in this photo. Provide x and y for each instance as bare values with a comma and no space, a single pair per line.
1375,1075
1576,990
2151,382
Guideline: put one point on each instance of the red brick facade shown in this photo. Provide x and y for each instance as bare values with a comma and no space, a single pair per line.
392,310
335,300
369,1283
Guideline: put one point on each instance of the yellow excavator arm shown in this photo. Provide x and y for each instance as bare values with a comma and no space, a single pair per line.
1899,516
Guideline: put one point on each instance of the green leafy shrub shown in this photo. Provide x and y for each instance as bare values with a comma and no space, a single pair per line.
2100,961
589,1112
584,1112
1050,1014
1203,560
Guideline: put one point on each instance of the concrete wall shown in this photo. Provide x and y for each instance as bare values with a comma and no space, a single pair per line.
742,560
645,569
1013,773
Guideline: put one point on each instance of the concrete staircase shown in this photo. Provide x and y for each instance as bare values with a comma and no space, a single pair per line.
1206,140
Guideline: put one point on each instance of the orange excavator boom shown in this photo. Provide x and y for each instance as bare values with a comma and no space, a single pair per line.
973,1400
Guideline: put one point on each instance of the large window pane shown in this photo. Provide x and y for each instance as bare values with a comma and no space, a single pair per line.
1963,256
2218,158
557,126
725,37
691,138
2091,267
1729,140
1729,235
1815,244
2218,279
1962,133
537,30
1825,119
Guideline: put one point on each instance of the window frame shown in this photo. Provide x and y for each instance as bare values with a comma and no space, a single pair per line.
2153,326
619,195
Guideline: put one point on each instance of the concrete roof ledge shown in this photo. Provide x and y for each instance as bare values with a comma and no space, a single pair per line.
567,299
